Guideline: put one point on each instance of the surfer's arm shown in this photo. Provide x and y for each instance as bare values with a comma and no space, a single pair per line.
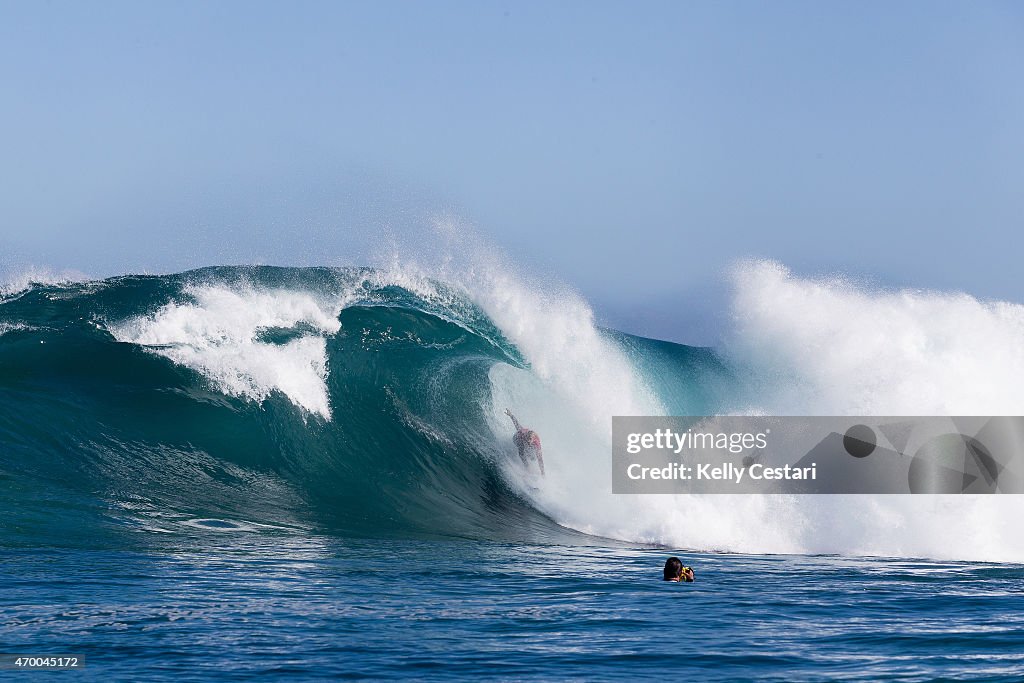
514,420
540,460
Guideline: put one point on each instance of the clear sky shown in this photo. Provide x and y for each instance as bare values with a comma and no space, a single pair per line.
632,149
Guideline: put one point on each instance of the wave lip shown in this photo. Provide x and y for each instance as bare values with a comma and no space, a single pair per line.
222,334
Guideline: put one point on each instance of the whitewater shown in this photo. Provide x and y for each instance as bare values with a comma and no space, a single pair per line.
371,401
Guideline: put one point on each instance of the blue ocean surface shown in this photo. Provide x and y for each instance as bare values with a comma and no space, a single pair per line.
318,607
308,473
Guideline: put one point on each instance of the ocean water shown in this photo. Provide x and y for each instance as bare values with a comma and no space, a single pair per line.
308,473
317,607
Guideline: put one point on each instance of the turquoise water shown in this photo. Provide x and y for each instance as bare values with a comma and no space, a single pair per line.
313,607
307,473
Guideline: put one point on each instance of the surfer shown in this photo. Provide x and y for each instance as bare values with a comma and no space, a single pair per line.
527,442
675,571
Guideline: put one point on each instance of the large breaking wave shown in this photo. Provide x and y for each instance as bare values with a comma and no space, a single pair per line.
370,402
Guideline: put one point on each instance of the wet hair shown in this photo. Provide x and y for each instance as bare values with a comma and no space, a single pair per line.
673,568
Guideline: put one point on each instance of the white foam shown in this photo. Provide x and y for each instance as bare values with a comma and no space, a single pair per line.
217,334
819,347
830,347
845,350
11,327
577,489
18,281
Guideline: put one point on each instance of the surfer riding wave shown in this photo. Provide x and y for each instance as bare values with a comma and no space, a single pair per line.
528,443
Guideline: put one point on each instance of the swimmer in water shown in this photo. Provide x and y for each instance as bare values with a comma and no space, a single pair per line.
528,443
676,571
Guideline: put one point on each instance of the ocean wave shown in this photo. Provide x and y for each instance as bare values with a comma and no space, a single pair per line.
371,402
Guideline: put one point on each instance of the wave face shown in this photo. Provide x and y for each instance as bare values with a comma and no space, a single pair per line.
234,397
370,402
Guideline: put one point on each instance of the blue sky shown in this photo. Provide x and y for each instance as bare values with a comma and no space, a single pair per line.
634,150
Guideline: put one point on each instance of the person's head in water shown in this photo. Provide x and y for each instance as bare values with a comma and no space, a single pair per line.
675,571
